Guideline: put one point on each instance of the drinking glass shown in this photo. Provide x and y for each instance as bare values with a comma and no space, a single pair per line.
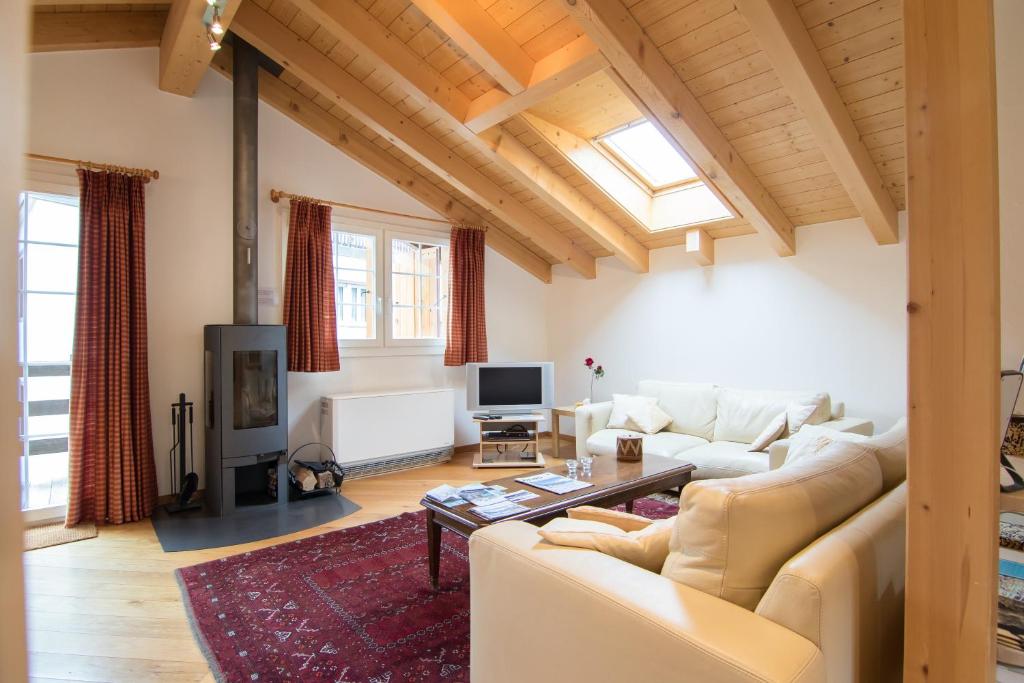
570,466
586,463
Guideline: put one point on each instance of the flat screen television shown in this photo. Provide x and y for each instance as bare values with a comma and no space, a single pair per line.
510,387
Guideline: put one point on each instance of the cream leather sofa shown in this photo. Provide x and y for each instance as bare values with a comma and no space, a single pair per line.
712,426
831,614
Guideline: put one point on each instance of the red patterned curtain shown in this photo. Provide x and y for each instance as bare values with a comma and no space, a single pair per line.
467,324
111,475
309,290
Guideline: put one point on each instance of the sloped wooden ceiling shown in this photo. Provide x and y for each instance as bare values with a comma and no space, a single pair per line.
541,208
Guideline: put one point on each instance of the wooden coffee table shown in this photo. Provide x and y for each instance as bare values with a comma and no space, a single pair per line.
614,483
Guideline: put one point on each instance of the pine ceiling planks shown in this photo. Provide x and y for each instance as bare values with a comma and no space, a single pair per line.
708,44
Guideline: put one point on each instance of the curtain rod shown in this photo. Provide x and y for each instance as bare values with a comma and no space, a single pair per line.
278,195
91,165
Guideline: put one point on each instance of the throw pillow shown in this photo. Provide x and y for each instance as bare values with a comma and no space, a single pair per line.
769,434
646,548
797,416
733,535
622,520
621,405
890,448
648,418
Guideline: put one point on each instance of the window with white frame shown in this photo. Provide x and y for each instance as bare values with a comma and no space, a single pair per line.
355,285
391,287
47,287
419,290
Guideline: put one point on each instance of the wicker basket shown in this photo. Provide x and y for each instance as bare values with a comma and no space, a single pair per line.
629,448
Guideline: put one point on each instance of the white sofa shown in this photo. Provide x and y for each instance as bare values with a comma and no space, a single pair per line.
828,610
712,426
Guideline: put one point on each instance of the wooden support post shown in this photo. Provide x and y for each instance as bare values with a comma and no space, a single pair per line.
954,337
13,119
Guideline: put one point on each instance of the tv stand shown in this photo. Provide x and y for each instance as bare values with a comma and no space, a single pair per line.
503,445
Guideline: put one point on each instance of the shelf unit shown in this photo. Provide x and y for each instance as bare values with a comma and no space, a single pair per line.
489,452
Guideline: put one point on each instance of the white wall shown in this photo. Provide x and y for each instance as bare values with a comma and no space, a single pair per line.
105,106
830,318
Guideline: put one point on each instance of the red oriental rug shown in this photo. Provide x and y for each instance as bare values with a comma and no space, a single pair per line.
349,606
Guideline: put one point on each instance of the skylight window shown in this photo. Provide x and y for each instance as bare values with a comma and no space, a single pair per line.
647,154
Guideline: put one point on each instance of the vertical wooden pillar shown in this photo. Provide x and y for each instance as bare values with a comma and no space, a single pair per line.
13,72
953,248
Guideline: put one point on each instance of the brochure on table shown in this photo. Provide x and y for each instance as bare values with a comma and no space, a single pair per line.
489,502
555,483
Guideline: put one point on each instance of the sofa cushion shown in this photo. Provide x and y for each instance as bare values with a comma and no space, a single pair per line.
648,418
771,433
732,535
743,414
890,448
844,592
622,404
693,407
645,547
666,444
722,459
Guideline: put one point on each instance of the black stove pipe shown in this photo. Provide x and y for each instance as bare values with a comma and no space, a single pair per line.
246,182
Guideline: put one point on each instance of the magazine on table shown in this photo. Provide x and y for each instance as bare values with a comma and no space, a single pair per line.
555,483
446,495
520,496
503,508
479,495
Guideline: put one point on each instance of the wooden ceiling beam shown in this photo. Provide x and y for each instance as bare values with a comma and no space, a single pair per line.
59,31
596,167
644,70
534,173
40,3
483,39
282,45
354,26
185,50
513,158
336,133
781,33
563,67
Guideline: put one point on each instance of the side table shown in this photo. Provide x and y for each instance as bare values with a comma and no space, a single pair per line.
556,434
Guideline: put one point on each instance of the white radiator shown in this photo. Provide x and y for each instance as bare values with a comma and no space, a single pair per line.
373,433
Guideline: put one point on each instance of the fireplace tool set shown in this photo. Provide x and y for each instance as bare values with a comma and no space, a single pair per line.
183,484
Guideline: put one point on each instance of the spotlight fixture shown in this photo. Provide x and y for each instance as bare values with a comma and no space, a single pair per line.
216,28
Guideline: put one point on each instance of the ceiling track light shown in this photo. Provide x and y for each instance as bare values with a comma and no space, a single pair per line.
214,27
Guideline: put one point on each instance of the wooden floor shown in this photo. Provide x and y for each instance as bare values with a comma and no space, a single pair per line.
109,609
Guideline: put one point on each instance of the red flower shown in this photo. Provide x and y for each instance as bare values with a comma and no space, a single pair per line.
588,362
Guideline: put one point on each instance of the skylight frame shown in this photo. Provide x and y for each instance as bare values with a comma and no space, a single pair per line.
634,169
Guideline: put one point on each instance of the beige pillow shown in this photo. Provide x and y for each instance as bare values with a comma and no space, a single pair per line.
732,535
648,418
769,434
797,416
623,520
622,404
646,548
890,448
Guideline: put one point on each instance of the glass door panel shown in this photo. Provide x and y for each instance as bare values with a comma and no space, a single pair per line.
47,285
